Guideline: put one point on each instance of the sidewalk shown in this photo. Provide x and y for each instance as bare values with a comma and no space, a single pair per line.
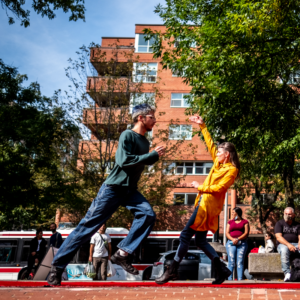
144,293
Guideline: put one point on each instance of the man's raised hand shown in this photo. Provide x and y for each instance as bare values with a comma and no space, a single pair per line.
196,119
160,150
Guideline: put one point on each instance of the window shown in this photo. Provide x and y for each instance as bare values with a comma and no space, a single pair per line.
25,250
141,45
96,167
179,100
84,252
188,168
8,250
178,132
140,98
184,198
294,77
177,73
191,44
145,72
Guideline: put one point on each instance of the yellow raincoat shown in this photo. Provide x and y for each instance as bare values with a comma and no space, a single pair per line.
214,188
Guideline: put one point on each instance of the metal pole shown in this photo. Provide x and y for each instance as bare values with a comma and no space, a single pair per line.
225,218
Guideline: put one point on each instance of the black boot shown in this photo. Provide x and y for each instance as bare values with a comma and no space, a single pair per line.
124,262
221,271
54,277
170,274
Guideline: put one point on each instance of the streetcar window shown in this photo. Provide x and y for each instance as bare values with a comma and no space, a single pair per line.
8,251
152,248
84,253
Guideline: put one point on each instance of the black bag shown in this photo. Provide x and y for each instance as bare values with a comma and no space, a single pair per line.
295,266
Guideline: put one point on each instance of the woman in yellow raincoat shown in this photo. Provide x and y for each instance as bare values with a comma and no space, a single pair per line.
208,205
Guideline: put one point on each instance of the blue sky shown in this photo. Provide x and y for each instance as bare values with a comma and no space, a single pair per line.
41,51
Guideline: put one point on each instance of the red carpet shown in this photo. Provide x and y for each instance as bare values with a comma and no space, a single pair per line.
74,284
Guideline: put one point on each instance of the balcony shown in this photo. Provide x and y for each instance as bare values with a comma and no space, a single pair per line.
109,84
111,57
105,116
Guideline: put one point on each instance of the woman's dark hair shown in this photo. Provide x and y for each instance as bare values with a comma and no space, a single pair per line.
238,211
270,235
38,231
234,158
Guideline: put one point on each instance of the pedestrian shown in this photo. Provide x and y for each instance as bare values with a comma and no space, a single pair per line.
207,208
269,237
56,238
37,252
119,188
287,233
100,252
237,231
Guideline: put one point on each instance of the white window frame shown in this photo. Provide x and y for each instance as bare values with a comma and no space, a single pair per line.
141,98
144,68
185,197
148,47
182,100
176,42
174,167
94,164
294,77
178,74
181,133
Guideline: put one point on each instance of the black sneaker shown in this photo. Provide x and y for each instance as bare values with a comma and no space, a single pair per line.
123,261
54,277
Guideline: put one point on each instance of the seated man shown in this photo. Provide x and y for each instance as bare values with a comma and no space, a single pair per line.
287,232
37,251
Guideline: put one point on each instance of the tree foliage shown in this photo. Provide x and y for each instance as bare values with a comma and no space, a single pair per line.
242,60
33,142
46,8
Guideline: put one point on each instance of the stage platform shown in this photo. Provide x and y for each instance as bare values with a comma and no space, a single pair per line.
245,284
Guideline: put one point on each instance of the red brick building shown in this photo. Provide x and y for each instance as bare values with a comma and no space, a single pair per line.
171,105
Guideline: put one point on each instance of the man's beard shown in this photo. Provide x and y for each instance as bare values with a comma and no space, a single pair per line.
149,129
287,218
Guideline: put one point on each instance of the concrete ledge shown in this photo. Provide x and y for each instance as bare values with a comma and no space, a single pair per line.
265,265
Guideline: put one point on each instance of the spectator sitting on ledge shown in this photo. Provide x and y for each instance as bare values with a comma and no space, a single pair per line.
287,232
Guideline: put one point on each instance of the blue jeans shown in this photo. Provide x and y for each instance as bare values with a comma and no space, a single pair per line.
236,256
200,240
284,252
107,201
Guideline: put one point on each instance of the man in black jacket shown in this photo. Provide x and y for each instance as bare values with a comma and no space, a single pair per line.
55,239
38,247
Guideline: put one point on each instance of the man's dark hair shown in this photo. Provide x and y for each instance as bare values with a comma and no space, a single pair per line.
53,224
38,231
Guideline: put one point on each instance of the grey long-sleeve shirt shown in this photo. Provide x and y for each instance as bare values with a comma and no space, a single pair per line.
131,157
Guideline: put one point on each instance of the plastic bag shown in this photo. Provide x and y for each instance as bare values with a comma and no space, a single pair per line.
111,271
89,270
261,249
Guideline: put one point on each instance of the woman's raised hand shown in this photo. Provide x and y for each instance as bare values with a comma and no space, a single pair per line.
196,119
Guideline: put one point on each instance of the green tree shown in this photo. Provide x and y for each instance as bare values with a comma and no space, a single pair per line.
242,60
33,139
46,8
